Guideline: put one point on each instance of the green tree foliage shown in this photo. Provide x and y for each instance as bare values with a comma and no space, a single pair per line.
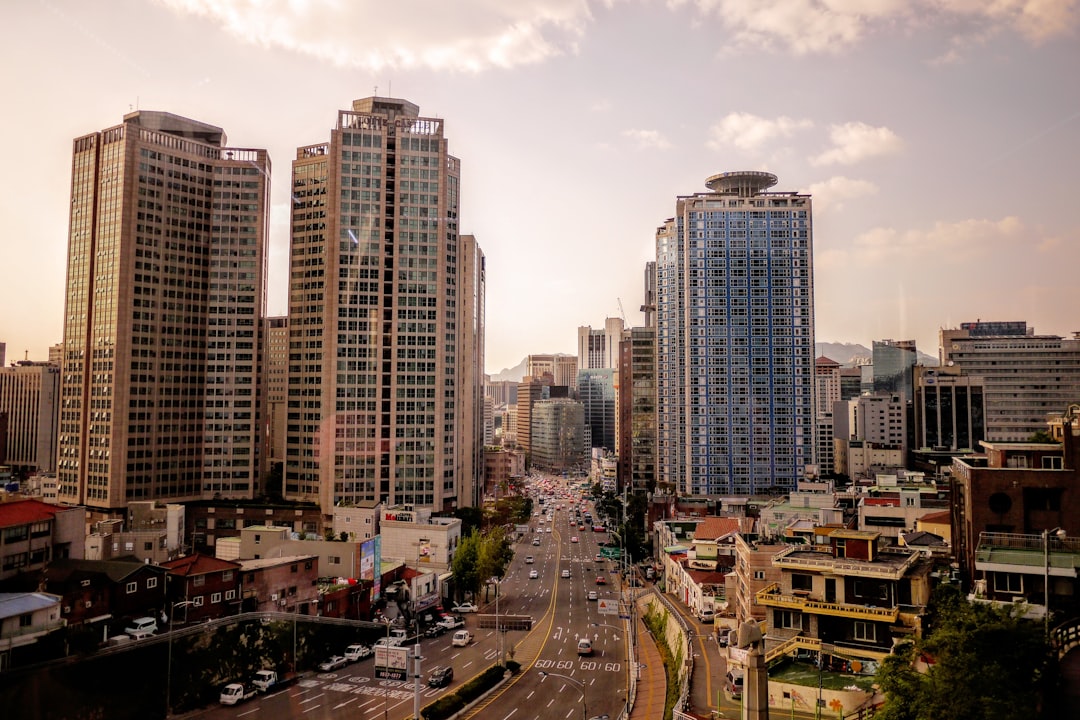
984,663
464,565
471,518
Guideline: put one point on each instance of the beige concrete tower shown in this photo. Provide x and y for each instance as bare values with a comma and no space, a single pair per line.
166,290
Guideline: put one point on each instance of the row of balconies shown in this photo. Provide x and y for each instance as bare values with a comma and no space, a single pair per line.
771,596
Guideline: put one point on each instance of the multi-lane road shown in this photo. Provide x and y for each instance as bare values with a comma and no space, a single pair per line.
555,681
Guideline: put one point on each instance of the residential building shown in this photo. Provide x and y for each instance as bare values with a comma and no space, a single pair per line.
276,384
637,410
870,432
753,572
165,298
33,534
206,522
558,434
735,338
25,618
1026,377
280,584
377,408
211,587
891,513
847,591
108,541
599,347
358,522
336,557
29,395
501,466
826,395
469,412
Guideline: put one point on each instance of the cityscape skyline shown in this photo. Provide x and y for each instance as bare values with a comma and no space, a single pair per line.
913,127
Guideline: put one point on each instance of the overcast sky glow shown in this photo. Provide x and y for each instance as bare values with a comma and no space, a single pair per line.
940,139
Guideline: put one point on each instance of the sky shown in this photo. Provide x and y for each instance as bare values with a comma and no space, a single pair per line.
939,139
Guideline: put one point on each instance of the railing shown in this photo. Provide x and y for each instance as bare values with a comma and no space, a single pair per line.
799,642
834,564
1017,541
771,595
1065,637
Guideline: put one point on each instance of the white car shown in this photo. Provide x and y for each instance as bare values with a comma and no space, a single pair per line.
592,595
565,573
142,627
573,539
465,608
547,530
358,652
333,663
529,560
461,638
534,574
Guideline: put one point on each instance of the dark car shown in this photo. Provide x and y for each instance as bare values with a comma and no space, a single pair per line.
440,677
434,631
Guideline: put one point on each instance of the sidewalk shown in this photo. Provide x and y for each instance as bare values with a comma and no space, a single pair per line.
652,681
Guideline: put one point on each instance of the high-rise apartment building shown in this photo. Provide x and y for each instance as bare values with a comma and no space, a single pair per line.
165,296
470,414
827,394
637,410
735,338
29,392
599,348
378,302
1027,377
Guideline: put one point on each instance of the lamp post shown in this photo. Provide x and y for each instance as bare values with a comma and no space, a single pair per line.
168,667
1059,533
580,686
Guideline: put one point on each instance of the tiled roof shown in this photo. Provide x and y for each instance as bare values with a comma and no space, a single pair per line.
23,512
712,528
198,564
116,570
939,517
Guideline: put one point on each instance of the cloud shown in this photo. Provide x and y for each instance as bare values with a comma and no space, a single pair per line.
647,139
832,194
750,132
465,35
944,243
832,26
854,142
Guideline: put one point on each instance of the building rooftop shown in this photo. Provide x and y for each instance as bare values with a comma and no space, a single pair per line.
263,563
15,604
198,564
23,512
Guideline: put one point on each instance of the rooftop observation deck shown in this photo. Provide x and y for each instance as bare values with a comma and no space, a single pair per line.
890,563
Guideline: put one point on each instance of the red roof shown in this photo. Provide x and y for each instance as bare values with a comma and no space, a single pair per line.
712,528
882,501
939,517
198,564
24,512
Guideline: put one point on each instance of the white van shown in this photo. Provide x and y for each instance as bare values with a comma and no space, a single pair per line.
706,615
584,646
141,627
461,638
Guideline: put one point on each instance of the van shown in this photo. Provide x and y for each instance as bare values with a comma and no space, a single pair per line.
584,646
461,638
141,627
706,615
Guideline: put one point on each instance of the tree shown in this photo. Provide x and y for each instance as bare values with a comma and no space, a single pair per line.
465,562
471,519
494,554
984,663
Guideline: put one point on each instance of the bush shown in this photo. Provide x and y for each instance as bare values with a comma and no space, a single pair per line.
447,705
513,666
443,708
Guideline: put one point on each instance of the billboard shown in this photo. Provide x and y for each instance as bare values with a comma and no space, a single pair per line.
391,663
371,564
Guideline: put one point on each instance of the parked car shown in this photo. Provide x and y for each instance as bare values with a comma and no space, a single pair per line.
234,693
440,676
267,680
706,615
358,652
434,631
451,622
466,607
336,662
141,627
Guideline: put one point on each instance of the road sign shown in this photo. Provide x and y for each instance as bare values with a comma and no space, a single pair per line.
611,552
391,663
607,607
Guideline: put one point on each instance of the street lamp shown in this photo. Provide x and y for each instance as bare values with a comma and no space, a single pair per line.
580,686
168,667
1059,533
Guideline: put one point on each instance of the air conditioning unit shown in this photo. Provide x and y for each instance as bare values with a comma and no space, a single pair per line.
89,604
273,597
283,601
67,610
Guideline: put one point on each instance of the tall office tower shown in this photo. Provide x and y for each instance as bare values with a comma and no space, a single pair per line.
503,392
949,409
892,365
29,394
1027,377
850,382
649,306
166,292
599,348
3,354
596,391
530,391
469,413
376,303
735,338
826,394
637,410
56,354
276,385
558,436
563,368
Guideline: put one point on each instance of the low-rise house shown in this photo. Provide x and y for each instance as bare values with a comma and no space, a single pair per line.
209,588
25,617
849,596
32,533
286,584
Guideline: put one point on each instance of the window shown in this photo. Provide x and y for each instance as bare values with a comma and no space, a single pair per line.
1008,582
131,587
230,594
788,619
197,601
759,574
801,582
334,560
226,576
151,583
85,583
294,568
26,620
198,580
215,598
258,538
865,631
841,547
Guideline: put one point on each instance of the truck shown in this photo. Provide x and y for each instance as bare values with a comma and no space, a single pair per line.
234,693
451,623
267,680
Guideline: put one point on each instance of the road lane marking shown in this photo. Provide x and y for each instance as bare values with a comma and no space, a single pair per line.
313,707
347,702
312,698
248,712
509,714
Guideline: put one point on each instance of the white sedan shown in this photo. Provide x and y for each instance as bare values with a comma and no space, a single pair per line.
465,608
333,663
533,574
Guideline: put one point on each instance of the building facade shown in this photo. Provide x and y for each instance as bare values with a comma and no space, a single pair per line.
637,410
276,385
599,347
596,392
166,291
376,306
558,434
950,409
29,394
735,338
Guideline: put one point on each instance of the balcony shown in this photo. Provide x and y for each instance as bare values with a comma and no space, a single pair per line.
771,596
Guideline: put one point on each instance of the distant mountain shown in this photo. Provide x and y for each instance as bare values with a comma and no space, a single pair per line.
844,353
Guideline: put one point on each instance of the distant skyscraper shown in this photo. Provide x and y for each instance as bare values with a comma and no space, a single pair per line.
637,410
1028,378
649,306
276,385
596,391
827,393
735,338
165,297
563,368
892,365
382,319
29,392
558,434
599,348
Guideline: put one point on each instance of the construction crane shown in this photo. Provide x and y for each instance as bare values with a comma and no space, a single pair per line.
622,312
